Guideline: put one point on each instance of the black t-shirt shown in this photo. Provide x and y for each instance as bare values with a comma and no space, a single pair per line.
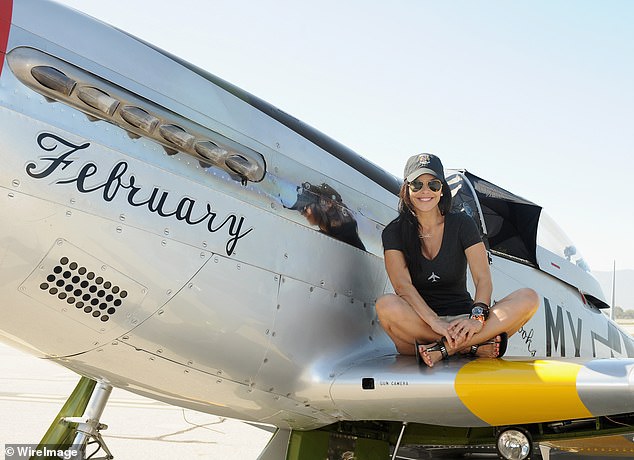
442,281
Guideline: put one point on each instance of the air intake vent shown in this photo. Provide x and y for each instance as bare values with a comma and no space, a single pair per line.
77,284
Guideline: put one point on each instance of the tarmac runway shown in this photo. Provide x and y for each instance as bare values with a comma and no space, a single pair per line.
32,391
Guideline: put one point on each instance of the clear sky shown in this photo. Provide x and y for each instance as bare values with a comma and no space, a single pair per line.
535,96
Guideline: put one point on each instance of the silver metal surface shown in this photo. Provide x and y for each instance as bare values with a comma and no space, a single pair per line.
607,385
237,304
402,390
156,377
83,288
57,80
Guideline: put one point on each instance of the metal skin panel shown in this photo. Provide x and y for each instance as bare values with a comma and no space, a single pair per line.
604,385
485,392
126,367
163,268
230,227
402,390
83,288
564,325
316,331
183,92
219,323
275,193
563,269
30,314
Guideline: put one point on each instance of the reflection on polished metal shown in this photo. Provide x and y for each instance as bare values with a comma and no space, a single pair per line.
139,118
57,80
234,304
552,389
241,165
210,151
53,79
97,99
177,136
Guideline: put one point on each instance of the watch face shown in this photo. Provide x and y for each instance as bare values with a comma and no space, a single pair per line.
477,311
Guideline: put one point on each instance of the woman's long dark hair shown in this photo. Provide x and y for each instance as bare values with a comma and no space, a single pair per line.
409,224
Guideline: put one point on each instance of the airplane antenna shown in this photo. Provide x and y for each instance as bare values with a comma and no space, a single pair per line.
613,290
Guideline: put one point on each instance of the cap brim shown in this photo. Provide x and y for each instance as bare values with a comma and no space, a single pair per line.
420,171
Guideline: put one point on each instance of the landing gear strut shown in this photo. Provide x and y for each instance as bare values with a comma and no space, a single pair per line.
88,425
77,424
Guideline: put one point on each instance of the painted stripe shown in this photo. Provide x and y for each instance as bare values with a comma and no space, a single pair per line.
6,11
503,392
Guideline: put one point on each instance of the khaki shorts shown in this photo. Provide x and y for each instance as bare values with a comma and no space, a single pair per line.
450,318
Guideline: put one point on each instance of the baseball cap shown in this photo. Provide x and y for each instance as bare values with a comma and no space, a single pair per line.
424,163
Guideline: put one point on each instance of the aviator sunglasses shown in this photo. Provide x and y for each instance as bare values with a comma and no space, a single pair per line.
435,185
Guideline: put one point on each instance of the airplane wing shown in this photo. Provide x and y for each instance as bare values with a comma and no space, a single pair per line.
485,392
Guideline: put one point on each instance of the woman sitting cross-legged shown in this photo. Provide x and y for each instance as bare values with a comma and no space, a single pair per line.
427,251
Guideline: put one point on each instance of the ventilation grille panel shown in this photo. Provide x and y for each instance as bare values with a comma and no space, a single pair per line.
83,289
75,283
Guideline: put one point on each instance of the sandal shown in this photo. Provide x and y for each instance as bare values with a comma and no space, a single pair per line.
438,346
502,343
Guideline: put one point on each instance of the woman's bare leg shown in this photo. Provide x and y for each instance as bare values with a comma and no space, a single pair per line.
402,324
507,315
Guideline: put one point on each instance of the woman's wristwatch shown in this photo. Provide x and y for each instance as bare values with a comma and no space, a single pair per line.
479,311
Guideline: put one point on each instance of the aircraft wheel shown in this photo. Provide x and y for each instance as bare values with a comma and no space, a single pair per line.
514,443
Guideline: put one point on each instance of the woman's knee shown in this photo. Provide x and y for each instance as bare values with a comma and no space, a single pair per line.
521,303
529,300
386,306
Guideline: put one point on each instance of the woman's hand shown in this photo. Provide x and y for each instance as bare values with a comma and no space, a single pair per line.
462,330
442,327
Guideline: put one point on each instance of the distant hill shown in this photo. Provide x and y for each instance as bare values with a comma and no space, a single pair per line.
624,287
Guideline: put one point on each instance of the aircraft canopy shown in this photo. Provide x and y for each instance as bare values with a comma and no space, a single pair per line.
517,229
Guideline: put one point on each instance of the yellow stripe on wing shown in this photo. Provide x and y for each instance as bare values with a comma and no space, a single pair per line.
504,392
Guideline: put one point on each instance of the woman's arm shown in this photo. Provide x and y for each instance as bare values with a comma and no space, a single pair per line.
479,266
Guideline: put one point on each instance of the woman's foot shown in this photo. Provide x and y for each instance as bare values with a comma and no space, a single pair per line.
432,352
489,349
494,348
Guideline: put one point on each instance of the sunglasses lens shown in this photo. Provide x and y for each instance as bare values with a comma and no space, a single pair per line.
415,185
434,185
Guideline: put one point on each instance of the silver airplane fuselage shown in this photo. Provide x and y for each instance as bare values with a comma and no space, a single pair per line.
153,236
